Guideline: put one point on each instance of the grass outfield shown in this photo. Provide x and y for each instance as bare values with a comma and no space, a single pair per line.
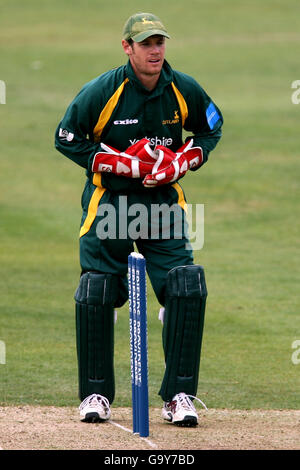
245,55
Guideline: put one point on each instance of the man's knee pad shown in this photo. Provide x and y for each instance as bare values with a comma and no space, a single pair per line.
95,299
182,330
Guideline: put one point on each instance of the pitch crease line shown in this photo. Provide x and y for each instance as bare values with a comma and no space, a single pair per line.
151,444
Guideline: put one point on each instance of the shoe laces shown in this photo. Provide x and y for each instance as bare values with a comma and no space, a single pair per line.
95,400
200,401
186,403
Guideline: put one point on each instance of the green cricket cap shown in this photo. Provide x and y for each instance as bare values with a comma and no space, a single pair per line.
143,25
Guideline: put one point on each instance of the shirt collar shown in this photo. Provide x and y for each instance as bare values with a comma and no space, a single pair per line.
166,77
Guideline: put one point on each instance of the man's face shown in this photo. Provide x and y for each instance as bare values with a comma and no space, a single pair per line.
146,57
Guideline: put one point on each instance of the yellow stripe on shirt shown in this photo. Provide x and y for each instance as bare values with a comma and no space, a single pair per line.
107,111
93,205
182,104
181,199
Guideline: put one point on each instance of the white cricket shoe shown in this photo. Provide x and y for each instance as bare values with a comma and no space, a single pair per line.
181,411
94,409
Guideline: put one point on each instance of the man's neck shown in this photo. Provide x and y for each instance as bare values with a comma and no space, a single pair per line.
148,81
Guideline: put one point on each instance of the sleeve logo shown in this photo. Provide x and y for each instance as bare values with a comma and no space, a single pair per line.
212,115
65,135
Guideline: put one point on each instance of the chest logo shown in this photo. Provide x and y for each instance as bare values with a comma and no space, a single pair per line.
175,119
125,122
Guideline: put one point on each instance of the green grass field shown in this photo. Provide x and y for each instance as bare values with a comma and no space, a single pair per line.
246,55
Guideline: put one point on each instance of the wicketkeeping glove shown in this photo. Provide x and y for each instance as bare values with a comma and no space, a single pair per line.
136,162
173,165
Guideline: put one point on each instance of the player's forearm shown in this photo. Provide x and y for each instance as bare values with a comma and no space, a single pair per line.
79,150
207,143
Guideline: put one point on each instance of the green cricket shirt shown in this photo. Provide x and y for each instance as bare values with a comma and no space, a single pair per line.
115,108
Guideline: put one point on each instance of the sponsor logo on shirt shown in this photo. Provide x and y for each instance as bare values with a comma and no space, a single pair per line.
125,122
175,119
154,141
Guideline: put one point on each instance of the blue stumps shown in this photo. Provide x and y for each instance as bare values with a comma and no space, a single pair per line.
138,343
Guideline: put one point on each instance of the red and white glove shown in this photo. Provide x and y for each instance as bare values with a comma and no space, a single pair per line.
136,162
173,165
